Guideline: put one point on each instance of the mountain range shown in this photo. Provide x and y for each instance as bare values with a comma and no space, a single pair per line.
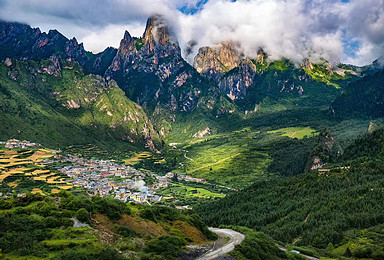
159,86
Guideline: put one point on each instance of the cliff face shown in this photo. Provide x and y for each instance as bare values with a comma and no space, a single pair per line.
235,85
216,61
152,72
226,65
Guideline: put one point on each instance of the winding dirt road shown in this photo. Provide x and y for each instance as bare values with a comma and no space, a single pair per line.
235,239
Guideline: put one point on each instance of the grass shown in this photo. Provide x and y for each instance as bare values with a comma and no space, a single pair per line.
296,132
33,113
180,190
222,158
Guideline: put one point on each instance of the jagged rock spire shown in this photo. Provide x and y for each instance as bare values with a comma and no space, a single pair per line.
157,31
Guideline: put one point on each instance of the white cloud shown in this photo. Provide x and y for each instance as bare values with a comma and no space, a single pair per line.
110,35
281,28
293,29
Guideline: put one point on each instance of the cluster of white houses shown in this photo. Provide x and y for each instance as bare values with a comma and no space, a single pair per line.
181,177
13,143
107,178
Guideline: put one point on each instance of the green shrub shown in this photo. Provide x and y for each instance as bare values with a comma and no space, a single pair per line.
110,207
126,231
166,246
82,215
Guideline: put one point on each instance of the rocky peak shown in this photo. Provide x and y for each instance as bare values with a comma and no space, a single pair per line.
155,52
127,38
156,32
126,43
217,60
20,41
155,57
308,65
75,50
261,56
53,33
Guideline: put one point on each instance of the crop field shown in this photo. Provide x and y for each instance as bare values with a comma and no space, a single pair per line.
138,158
180,189
189,193
17,166
296,132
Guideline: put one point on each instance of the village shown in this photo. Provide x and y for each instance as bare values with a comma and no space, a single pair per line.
104,178
107,178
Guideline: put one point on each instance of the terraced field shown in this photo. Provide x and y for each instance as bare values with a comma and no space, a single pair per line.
19,165
139,157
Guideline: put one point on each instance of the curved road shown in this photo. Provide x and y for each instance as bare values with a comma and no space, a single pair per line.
235,239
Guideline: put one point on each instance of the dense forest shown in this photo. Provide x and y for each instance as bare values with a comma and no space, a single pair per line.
315,208
363,98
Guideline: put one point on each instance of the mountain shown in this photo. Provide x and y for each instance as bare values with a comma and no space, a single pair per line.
54,102
249,81
217,60
152,72
20,41
362,99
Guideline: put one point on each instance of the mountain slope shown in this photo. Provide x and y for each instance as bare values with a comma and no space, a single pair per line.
317,208
249,82
363,98
74,227
54,102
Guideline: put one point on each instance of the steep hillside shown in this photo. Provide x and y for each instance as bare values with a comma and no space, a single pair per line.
54,103
73,227
362,99
329,208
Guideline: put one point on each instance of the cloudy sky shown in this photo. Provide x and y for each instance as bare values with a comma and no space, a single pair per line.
350,31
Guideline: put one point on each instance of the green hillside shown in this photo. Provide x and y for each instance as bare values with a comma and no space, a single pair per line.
362,99
54,103
331,209
37,227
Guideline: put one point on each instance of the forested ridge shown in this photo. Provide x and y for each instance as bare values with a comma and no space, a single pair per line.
362,99
315,208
